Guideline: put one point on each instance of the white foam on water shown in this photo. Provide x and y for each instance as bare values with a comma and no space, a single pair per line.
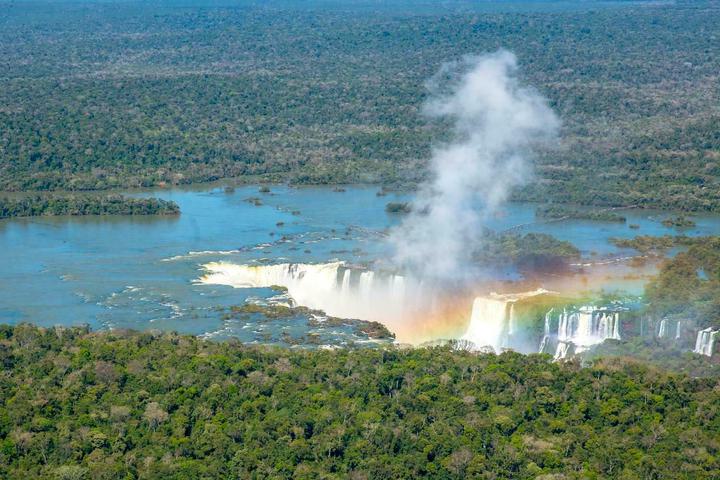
331,287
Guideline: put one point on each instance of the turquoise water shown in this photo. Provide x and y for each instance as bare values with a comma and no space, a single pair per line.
139,272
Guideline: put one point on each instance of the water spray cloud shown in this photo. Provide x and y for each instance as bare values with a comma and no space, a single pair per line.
496,122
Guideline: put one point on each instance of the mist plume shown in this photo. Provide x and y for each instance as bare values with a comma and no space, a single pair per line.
495,123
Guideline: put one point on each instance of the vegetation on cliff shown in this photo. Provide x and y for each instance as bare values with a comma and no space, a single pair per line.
667,354
688,285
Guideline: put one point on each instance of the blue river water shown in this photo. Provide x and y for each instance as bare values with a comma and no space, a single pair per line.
141,272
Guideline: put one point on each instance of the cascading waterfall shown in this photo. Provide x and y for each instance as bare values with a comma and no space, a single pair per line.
493,321
366,283
564,350
388,298
665,328
705,341
488,323
583,328
400,302
391,299
346,281
616,326
546,329
511,327
544,343
397,285
333,288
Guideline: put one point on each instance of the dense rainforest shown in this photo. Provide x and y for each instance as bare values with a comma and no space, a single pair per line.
106,95
83,405
37,205
688,285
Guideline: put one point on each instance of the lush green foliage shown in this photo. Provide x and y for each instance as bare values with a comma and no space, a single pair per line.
560,212
653,244
129,94
138,405
680,221
534,251
688,285
33,206
667,354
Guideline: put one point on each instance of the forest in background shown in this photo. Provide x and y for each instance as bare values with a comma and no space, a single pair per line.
117,95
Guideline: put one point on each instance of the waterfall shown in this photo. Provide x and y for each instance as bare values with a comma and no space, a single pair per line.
582,328
705,341
511,327
604,325
665,328
366,282
543,344
588,326
564,350
331,287
397,285
547,322
345,288
563,325
488,323
494,322
584,324
414,312
546,333
611,325
616,326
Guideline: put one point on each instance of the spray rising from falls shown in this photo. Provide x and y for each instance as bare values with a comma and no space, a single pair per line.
496,122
